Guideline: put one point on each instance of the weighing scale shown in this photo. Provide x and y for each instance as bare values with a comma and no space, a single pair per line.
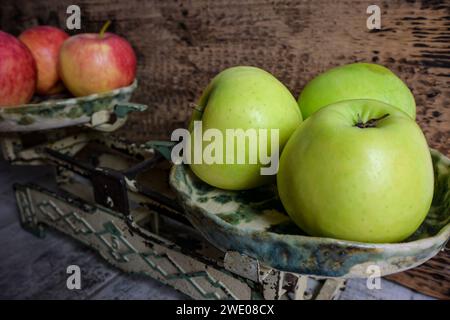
144,215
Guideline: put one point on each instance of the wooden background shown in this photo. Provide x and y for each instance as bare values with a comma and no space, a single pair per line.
181,45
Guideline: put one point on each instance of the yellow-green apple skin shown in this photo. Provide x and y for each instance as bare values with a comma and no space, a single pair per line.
244,97
372,184
356,81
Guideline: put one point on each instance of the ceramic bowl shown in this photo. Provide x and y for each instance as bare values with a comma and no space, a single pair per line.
63,112
254,223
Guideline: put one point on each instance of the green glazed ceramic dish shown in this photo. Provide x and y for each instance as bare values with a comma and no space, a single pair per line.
58,113
254,223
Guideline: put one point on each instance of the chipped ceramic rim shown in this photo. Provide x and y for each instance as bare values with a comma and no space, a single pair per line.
48,105
423,249
444,233
59,113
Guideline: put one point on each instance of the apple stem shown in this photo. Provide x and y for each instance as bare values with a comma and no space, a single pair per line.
103,29
372,123
359,119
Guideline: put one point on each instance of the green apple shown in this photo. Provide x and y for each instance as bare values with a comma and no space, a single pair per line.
244,98
356,81
357,170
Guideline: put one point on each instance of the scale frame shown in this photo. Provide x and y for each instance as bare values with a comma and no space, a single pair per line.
130,227
100,200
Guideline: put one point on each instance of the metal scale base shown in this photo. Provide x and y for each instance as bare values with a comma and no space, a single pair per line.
114,197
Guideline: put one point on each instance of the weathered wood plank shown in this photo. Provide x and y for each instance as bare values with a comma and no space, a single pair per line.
35,268
21,174
356,289
8,212
137,287
431,278
182,44
17,174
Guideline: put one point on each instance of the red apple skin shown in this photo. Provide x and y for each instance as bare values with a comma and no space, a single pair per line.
91,64
17,72
44,43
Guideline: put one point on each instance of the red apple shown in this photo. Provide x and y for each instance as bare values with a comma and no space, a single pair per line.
44,43
17,71
93,63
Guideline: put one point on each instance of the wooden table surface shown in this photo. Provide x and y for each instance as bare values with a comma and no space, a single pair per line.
34,268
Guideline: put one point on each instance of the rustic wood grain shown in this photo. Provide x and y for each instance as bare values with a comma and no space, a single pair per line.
34,268
431,278
137,287
13,174
356,289
181,45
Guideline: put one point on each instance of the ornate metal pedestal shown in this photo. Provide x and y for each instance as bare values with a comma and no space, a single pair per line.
114,197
